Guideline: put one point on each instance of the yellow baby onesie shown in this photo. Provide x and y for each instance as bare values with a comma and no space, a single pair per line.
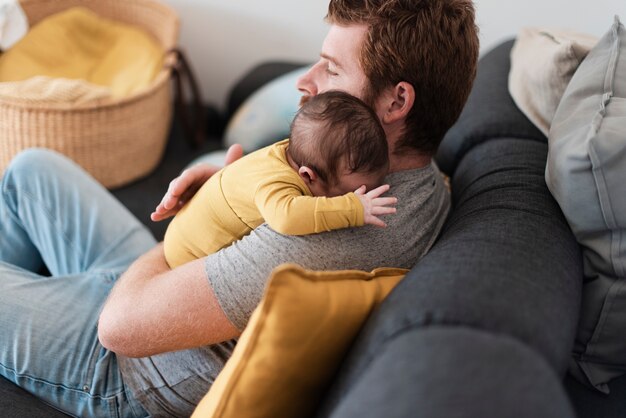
260,187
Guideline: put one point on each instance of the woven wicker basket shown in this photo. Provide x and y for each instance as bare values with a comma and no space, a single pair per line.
119,141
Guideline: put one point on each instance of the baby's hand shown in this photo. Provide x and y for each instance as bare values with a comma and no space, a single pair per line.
373,205
183,187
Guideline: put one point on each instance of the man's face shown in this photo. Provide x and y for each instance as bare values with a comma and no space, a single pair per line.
339,67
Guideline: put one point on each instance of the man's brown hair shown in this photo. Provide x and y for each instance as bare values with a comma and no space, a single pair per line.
431,44
335,128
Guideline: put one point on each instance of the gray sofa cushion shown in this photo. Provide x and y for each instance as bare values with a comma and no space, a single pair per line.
586,173
456,372
17,403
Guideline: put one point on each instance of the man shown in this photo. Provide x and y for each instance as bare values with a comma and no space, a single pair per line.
172,330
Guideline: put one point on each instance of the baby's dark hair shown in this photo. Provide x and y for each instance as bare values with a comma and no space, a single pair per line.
333,127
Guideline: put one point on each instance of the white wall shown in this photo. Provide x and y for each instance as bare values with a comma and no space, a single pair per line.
225,38
500,19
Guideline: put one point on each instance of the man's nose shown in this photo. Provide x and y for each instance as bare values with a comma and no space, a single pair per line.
306,83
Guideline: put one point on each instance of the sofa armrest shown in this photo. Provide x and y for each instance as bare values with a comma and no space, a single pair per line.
456,372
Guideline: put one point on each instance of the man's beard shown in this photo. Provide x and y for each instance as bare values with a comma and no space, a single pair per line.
303,100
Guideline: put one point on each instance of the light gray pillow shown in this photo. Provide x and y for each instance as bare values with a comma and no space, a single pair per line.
265,117
586,173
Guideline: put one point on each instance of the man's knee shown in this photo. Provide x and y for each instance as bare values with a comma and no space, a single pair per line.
32,170
33,163
34,159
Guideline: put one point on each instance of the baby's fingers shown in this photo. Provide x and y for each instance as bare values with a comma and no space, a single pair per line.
376,222
382,210
378,191
384,201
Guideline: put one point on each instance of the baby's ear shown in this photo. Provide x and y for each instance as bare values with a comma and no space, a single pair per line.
307,174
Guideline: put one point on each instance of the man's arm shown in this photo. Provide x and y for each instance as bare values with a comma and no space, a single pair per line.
153,309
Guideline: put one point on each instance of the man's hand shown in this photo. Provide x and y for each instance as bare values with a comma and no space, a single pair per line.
185,186
374,205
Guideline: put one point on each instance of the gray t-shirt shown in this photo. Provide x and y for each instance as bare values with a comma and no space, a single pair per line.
171,384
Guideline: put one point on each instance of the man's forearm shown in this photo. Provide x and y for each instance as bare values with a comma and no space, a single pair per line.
145,267
153,309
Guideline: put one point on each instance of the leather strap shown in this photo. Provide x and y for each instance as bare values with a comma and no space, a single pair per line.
193,126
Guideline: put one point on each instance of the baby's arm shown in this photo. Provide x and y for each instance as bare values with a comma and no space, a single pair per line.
288,212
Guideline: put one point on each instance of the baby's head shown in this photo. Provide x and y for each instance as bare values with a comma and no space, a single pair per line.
338,144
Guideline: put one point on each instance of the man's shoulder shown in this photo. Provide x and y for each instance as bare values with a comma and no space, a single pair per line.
422,198
414,177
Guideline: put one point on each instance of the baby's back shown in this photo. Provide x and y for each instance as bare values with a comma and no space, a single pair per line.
223,210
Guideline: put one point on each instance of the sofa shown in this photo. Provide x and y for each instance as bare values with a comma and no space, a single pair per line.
484,324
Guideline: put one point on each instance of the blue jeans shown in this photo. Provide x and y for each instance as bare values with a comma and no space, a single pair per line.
55,215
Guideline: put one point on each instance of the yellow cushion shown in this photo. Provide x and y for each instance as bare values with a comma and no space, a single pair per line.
78,44
295,341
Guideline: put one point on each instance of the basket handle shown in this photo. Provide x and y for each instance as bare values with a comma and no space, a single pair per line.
181,73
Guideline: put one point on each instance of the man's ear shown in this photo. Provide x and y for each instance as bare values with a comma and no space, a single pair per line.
307,174
399,101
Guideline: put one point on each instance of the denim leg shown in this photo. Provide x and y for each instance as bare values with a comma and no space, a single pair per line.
54,212
49,343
